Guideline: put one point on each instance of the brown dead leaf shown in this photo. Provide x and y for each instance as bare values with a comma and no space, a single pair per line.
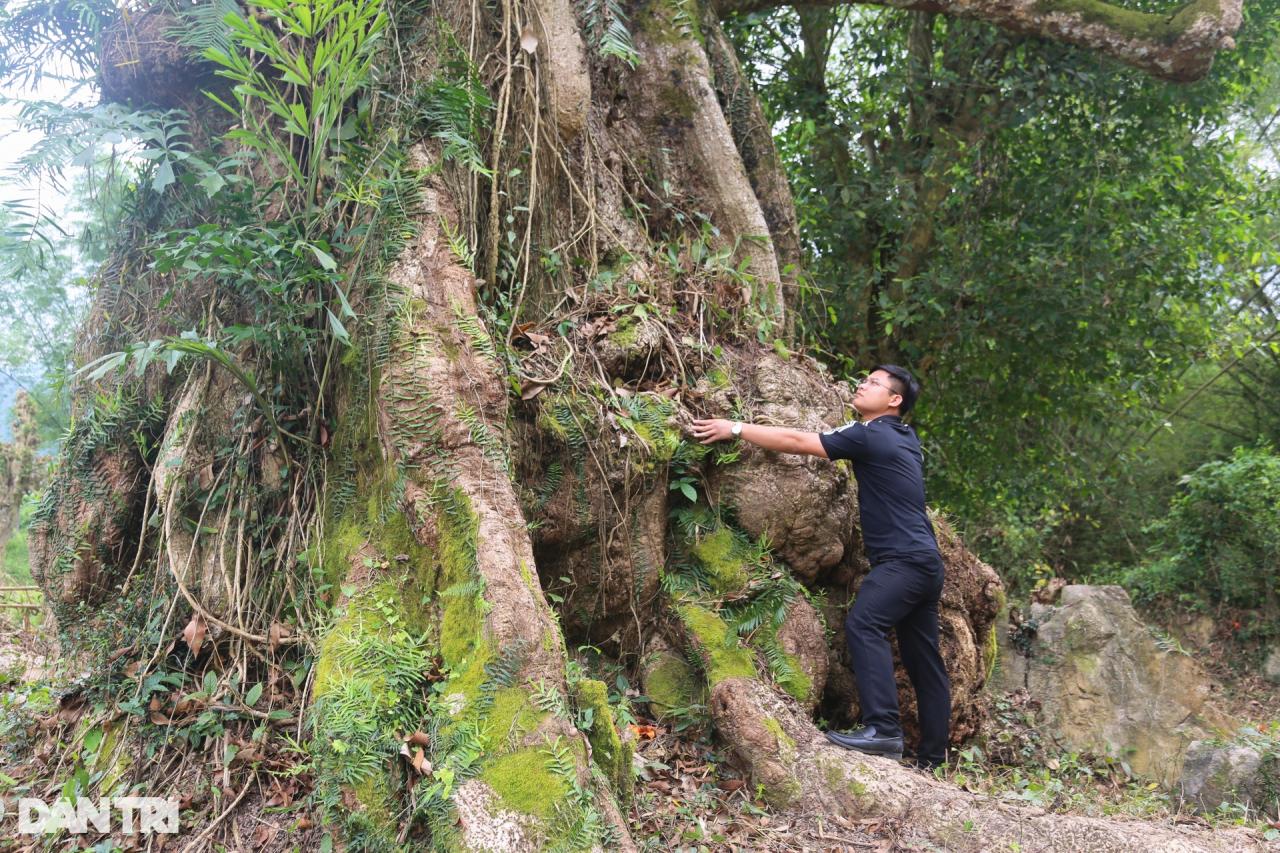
277,633
418,738
194,633
281,795
71,709
119,653
528,40
531,389
730,784
263,834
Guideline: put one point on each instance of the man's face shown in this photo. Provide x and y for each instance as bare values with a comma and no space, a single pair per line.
876,394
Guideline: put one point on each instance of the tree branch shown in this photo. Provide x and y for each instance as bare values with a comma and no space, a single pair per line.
1178,46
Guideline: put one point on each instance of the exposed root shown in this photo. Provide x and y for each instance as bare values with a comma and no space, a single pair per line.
785,752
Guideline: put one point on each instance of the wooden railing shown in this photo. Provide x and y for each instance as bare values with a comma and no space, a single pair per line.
25,606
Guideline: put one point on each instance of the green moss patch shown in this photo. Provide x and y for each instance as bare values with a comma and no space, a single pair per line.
523,783
511,716
672,22
797,682
1157,27
671,684
609,751
718,645
723,558
786,744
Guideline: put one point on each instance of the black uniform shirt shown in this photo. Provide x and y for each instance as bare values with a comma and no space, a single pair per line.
889,467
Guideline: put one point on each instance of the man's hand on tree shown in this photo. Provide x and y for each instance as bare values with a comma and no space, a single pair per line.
712,430
778,439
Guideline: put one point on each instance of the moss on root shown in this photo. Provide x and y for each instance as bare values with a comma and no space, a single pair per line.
723,558
608,750
673,22
511,716
671,685
362,706
524,783
1162,28
797,682
718,647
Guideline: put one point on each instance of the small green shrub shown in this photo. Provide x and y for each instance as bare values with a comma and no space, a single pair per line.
1221,537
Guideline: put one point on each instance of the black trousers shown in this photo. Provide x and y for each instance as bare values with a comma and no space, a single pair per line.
901,595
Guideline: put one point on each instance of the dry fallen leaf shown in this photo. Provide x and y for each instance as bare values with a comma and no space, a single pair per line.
531,389
277,633
193,635
119,653
419,738
528,41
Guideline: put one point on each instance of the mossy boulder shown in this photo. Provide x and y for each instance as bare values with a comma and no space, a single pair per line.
1246,773
1105,684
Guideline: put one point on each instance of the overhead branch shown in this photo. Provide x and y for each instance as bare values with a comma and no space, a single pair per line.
1178,46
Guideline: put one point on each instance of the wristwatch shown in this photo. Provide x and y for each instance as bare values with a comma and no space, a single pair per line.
736,429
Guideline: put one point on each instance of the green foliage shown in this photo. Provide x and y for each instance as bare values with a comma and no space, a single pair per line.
455,108
15,564
372,691
716,564
1046,237
1222,536
37,36
318,71
606,26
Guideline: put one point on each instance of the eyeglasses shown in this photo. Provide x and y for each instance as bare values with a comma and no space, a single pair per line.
868,380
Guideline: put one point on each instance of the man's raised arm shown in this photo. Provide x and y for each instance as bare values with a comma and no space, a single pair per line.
780,439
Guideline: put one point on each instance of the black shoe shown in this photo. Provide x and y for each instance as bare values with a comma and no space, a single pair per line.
867,740
923,765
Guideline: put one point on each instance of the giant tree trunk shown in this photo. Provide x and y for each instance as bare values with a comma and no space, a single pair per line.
638,232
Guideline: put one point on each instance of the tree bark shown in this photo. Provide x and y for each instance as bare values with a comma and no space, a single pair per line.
455,507
1179,46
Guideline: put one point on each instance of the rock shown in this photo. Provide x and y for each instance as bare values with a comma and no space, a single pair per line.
1216,773
1105,685
1271,667
1199,631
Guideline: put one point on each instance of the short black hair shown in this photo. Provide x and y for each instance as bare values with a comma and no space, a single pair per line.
904,384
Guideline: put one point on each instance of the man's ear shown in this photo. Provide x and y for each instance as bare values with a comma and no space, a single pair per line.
897,405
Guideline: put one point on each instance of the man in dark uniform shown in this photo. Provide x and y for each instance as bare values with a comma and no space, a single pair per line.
905,583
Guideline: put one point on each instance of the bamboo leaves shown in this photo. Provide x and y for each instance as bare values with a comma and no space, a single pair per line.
320,57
